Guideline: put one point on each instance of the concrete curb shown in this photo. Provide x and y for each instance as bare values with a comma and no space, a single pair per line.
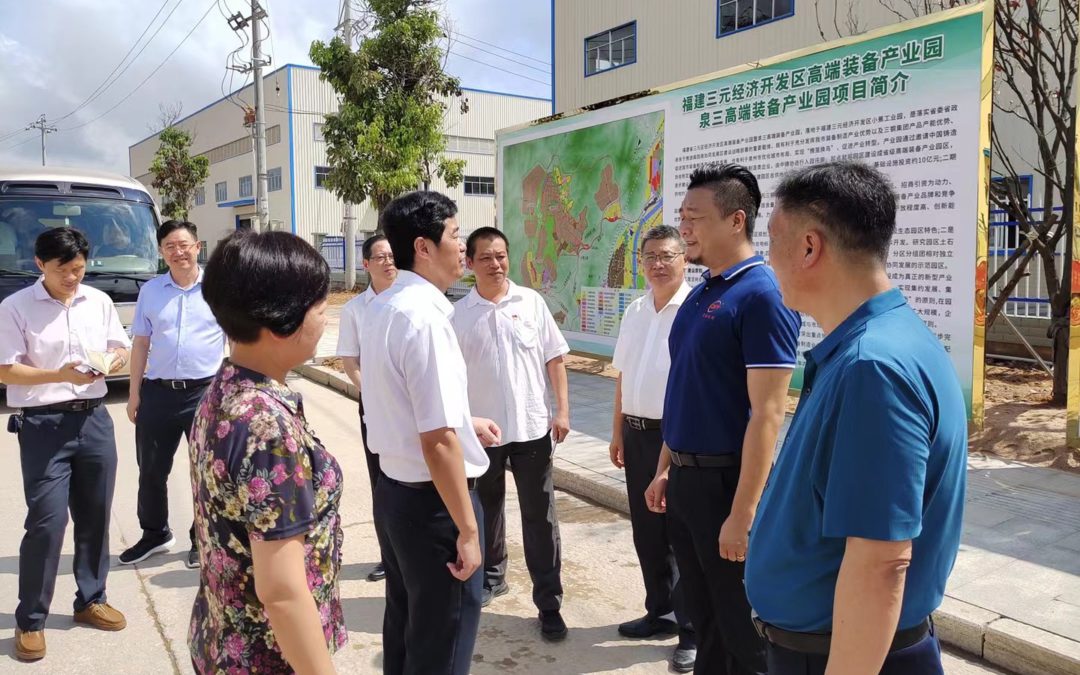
1017,647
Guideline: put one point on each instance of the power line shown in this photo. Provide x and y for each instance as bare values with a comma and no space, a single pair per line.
489,65
20,144
152,73
510,51
109,80
505,58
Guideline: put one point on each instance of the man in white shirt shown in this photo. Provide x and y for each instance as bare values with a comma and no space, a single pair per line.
509,339
67,447
416,403
641,357
379,263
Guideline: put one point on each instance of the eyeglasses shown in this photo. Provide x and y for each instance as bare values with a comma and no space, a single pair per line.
178,247
666,258
384,259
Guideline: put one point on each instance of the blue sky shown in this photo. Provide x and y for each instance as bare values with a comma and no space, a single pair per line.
52,65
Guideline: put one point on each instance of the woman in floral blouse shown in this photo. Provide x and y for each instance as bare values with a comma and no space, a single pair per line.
266,491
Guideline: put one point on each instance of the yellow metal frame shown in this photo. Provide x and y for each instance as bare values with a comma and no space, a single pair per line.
1072,425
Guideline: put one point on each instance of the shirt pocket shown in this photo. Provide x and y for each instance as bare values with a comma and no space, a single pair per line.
527,333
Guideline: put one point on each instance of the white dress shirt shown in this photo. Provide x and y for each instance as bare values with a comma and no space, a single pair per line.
641,353
39,331
506,348
352,322
413,379
186,342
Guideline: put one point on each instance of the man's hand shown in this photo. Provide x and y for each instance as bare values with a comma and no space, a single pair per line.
656,494
132,406
70,374
487,431
560,425
468,557
119,362
735,537
616,452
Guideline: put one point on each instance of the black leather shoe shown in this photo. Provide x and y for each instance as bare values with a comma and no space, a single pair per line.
648,626
682,660
377,574
552,626
489,594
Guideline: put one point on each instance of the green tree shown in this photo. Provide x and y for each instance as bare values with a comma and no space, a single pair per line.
387,136
176,173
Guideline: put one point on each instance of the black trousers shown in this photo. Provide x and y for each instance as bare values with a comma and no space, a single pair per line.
921,658
165,416
698,502
431,618
68,464
663,592
372,461
531,464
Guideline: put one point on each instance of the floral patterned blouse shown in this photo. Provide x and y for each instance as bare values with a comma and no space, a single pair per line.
258,473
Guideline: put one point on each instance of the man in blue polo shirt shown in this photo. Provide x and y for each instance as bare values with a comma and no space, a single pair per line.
178,346
732,346
859,526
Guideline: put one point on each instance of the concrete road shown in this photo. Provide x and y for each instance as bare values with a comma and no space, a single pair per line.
603,585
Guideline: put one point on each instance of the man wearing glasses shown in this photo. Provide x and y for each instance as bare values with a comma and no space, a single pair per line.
177,347
641,357
379,264
733,348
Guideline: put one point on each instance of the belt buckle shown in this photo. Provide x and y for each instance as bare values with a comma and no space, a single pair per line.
633,423
675,459
759,626
176,385
80,405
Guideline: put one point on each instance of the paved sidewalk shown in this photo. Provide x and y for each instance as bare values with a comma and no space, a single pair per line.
1014,595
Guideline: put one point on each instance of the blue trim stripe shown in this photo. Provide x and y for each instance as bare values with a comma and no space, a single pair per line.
238,202
504,93
292,145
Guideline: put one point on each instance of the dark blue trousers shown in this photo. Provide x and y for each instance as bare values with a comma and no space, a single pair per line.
165,416
68,463
431,618
921,658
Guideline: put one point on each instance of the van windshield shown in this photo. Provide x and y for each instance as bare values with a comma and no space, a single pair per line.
121,233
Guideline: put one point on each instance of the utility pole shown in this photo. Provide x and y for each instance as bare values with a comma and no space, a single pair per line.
237,22
45,128
348,218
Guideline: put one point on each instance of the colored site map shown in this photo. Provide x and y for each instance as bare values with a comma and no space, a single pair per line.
575,206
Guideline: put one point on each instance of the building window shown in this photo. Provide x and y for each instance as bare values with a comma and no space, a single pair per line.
200,196
203,253
470,145
318,132
479,185
245,186
611,49
735,15
221,192
273,179
321,172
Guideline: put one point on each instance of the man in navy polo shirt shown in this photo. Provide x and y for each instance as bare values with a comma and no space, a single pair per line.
859,526
732,348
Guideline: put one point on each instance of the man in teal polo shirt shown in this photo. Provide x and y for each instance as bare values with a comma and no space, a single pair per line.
859,526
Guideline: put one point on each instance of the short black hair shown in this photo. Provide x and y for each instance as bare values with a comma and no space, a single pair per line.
257,280
61,243
662,233
369,244
170,226
422,213
853,201
734,187
483,234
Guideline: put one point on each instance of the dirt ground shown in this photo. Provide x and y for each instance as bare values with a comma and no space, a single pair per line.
1020,425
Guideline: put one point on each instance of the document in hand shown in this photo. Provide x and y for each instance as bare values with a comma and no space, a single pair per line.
100,362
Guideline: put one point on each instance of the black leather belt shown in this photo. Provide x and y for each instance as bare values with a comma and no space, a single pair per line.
425,484
818,643
78,405
688,460
183,384
641,423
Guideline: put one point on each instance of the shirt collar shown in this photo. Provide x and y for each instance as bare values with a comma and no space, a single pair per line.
250,379
169,281
41,294
736,269
875,306
474,298
675,301
405,279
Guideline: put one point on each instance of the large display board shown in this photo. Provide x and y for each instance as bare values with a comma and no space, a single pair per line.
576,193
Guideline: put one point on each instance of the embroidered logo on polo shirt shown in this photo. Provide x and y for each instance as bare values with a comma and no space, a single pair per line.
713,308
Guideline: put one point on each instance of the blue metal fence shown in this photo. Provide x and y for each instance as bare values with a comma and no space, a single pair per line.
1030,298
